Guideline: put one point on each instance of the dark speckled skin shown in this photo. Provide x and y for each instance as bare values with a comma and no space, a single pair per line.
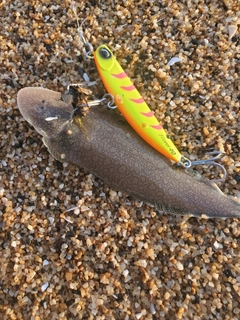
107,146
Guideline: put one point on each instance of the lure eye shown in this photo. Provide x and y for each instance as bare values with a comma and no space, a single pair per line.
105,53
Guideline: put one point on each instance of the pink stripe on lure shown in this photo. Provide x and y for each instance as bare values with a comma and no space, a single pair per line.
158,127
140,100
148,114
128,88
119,75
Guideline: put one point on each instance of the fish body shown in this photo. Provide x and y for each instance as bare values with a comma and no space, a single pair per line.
132,105
105,144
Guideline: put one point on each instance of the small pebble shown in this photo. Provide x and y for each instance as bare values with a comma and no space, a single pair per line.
44,286
174,60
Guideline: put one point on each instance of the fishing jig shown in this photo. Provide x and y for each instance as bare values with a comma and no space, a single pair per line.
134,109
132,105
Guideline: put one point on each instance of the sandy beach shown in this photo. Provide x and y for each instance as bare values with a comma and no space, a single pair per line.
71,247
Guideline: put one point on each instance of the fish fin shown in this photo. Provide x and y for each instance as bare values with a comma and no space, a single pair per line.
166,209
174,211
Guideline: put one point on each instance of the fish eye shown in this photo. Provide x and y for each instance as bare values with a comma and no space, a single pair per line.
40,108
105,53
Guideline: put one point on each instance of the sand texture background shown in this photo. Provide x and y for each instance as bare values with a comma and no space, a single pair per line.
113,257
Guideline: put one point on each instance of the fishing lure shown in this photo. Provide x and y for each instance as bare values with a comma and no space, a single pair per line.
134,109
132,105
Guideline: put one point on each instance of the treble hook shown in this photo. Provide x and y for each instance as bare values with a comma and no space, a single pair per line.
211,161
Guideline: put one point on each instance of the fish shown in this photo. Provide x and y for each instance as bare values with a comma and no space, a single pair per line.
105,144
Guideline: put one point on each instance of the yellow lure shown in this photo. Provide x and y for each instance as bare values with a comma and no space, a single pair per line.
131,104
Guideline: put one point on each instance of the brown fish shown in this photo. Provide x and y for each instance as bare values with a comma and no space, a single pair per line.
103,143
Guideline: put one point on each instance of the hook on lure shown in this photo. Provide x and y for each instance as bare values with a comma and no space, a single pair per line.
211,161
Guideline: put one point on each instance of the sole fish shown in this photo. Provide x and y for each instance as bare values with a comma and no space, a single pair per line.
104,143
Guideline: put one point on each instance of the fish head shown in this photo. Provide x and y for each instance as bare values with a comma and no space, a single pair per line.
44,109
